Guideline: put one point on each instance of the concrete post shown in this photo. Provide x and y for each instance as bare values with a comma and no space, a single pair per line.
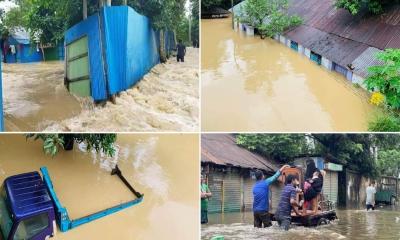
84,8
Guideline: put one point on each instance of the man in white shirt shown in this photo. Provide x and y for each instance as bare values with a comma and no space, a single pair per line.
371,190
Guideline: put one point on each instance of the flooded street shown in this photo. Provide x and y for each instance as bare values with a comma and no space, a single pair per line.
162,167
352,224
34,96
166,99
249,84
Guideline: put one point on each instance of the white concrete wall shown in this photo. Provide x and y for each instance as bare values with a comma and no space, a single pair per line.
249,30
307,52
288,42
358,80
326,63
276,37
282,39
301,49
241,26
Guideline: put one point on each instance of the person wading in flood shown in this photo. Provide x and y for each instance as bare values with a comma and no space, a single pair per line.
205,195
371,190
181,51
261,198
287,202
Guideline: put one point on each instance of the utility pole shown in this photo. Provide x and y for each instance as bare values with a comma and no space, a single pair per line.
84,9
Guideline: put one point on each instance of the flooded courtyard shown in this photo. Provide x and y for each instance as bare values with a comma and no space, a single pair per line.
249,84
166,99
162,167
352,224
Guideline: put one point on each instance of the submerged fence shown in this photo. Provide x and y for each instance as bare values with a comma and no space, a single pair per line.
111,51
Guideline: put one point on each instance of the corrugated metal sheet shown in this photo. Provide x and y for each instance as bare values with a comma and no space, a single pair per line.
337,49
221,149
248,184
377,31
365,60
232,192
330,187
91,28
125,41
215,182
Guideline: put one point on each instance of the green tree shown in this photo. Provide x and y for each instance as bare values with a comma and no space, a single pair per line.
281,147
355,6
99,142
207,4
269,16
386,78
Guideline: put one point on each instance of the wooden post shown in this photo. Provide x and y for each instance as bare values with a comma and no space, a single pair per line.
84,7
223,196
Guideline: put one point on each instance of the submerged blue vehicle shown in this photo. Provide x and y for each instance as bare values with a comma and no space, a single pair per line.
30,209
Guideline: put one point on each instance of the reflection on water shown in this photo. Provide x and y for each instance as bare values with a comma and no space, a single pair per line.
258,85
166,99
163,167
352,224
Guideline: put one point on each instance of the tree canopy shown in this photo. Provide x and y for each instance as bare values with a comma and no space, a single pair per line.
370,154
355,6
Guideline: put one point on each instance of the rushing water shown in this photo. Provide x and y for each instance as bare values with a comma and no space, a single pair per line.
249,84
166,99
352,224
162,167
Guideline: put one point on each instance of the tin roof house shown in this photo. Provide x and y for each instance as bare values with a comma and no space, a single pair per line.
230,172
20,48
110,51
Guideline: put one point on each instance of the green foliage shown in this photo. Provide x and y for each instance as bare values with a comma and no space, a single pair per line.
386,122
386,78
389,162
351,150
99,142
281,147
207,4
269,16
355,6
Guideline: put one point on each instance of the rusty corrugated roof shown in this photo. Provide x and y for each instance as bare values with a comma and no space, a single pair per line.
382,31
340,50
366,60
221,149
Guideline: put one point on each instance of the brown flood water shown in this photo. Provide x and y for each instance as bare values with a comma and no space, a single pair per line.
166,99
249,84
163,167
381,224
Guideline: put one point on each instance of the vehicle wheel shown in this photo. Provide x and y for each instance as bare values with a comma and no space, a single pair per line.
322,221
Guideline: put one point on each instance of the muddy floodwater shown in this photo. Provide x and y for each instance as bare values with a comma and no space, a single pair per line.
352,224
162,167
249,84
166,99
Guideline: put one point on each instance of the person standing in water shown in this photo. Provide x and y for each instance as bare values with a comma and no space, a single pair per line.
181,51
370,191
261,198
205,195
287,202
